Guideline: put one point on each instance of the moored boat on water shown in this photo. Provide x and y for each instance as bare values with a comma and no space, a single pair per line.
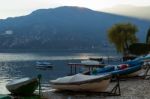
100,60
90,62
43,64
80,82
23,86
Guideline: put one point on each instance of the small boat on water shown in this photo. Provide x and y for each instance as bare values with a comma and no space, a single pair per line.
97,59
80,82
23,86
89,65
43,64
90,62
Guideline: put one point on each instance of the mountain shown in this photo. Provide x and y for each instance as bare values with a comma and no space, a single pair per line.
62,28
141,12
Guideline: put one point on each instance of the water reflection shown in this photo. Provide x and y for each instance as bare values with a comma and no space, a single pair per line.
7,72
49,56
3,82
13,70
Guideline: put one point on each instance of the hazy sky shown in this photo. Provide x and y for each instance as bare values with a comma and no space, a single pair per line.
10,8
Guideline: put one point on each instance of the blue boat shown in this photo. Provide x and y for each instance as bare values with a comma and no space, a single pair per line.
130,68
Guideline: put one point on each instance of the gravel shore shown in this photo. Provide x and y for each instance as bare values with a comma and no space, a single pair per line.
130,89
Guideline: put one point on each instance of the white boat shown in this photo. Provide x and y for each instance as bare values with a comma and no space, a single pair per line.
90,62
80,82
89,65
23,86
43,64
100,60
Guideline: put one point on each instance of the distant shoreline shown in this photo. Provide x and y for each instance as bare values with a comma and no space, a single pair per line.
53,50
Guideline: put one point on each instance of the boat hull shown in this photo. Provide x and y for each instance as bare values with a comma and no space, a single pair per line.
99,86
23,88
133,74
130,71
80,82
42,65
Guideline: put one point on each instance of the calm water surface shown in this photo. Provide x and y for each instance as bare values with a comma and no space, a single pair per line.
15,65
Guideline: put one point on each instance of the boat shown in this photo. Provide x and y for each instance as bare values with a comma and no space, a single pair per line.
129,71
121,70
90,62
43,65
101,60
23,86
89,65
81,82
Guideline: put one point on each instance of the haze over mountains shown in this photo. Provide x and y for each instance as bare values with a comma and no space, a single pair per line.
141,12
62,28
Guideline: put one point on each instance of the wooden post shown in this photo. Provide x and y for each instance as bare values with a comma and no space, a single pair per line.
39,78
71,69
75,69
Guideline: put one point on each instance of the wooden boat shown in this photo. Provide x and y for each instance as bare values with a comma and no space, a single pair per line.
80,82
44,64
24,86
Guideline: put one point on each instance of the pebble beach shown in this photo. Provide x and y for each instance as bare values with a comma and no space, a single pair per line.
133,88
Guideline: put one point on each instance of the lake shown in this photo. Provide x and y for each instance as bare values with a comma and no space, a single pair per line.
18,64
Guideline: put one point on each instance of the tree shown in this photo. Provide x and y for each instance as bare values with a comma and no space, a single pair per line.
148,37
122,35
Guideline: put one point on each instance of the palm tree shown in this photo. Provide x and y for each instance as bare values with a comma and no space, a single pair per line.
122,35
